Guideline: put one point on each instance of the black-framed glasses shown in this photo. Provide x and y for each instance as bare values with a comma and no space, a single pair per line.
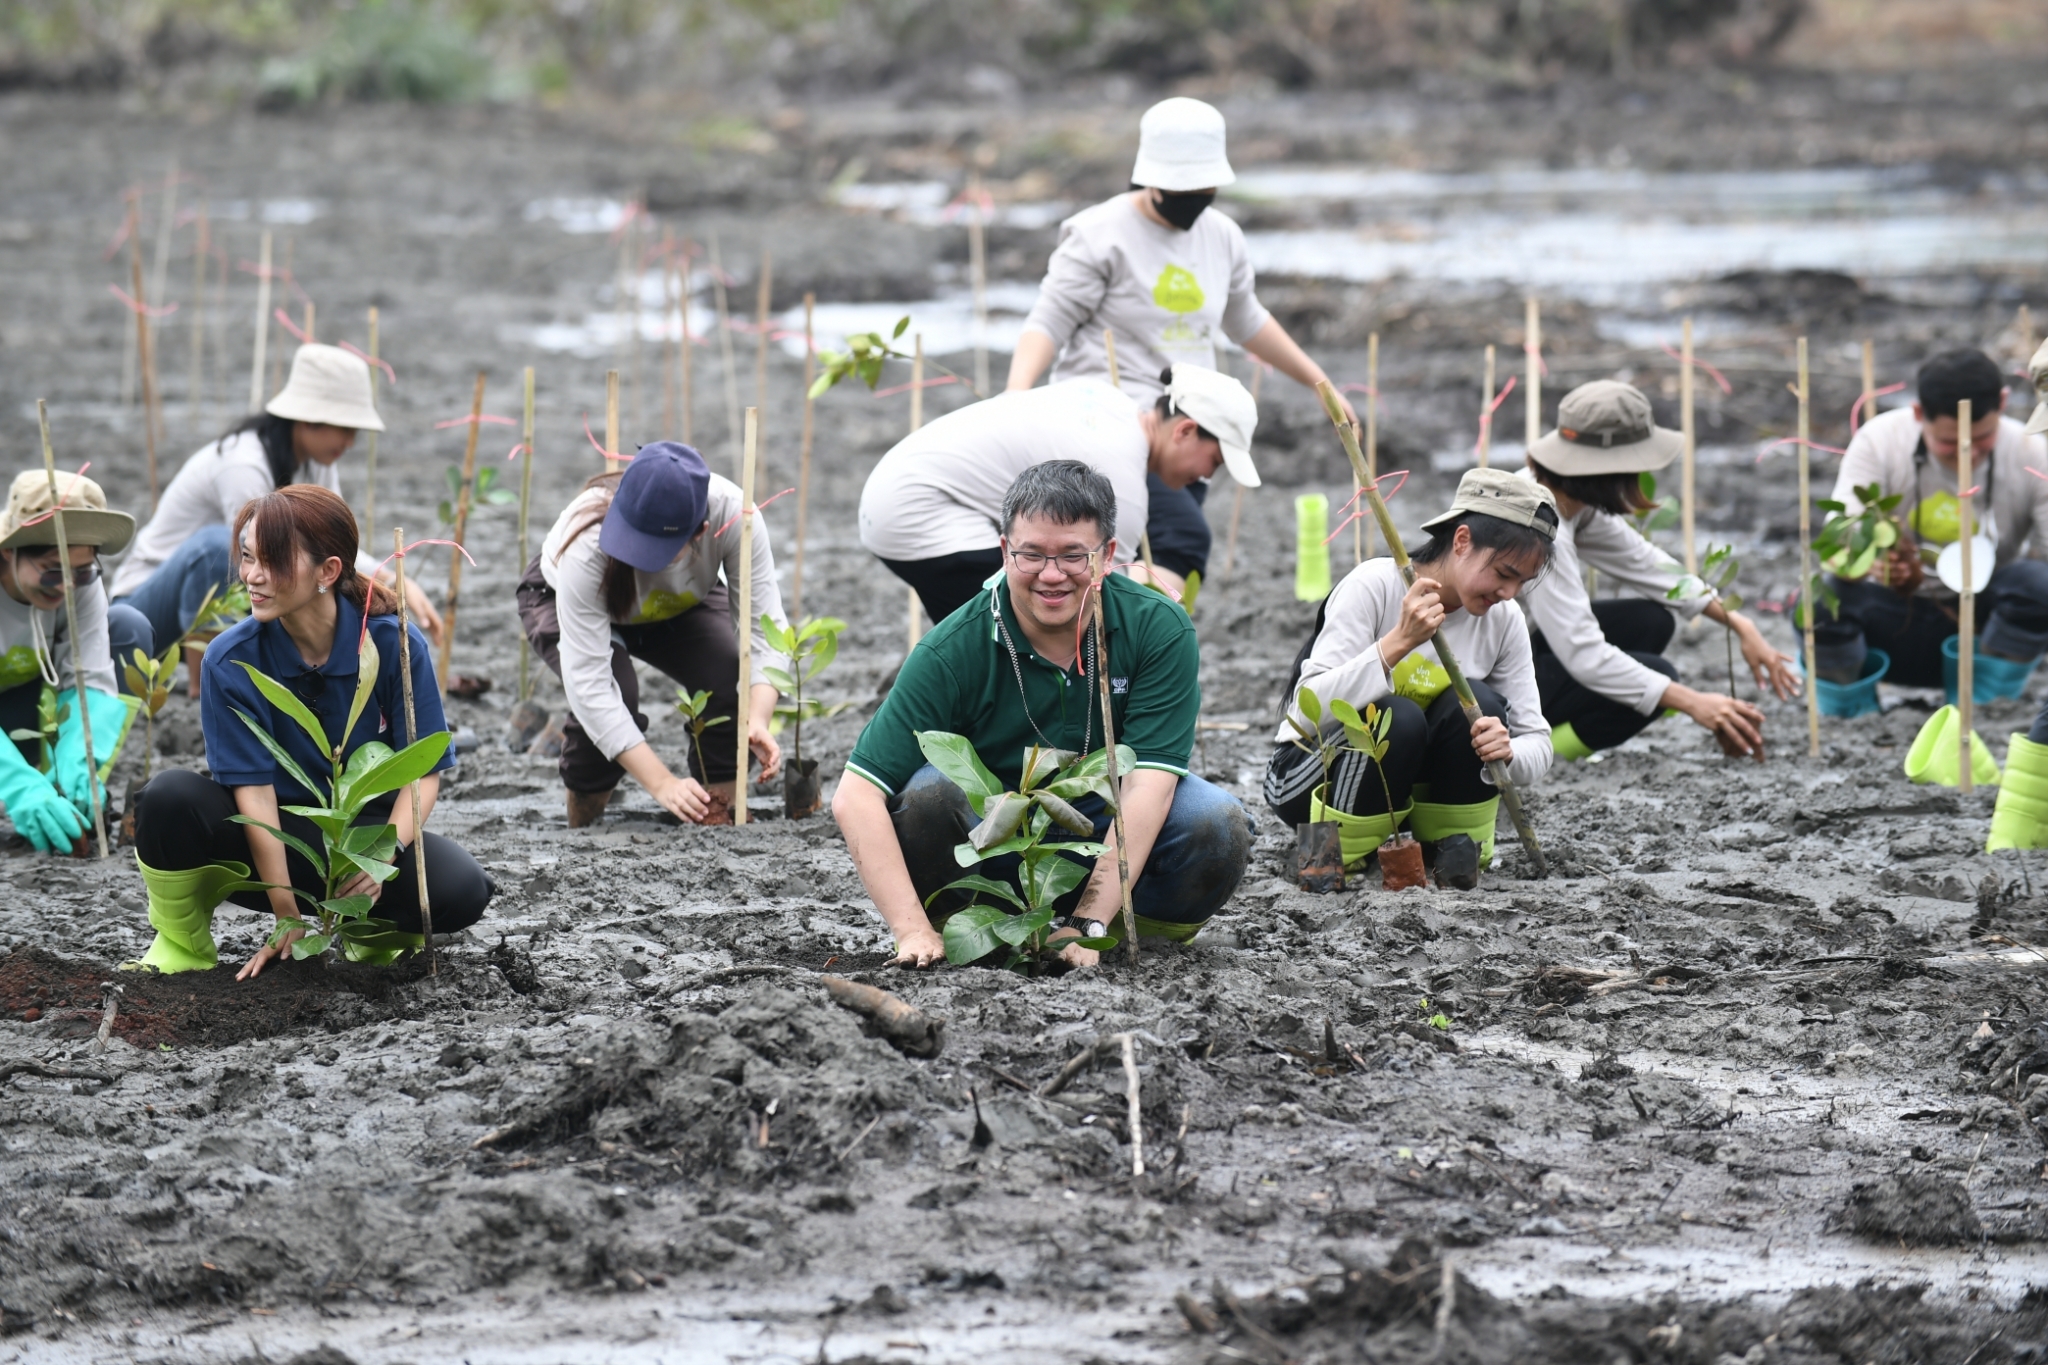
1073,562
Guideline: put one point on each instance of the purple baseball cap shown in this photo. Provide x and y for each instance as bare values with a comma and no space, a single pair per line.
658,508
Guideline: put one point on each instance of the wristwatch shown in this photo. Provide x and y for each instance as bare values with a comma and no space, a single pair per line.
1089,928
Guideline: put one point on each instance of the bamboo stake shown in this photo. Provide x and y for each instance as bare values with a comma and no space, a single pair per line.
977,273
1116,781
626,303
166,230
525,504
1485,416
92,783
1806,548
277,360
1966,614
688,359
419,835
1532,373
476,412
144,348
1372,411
743,706
763,295
1509,797
668,316
1870,380
370,455
132,229
732,382
306,323
803,469
195,386
611,421
1688,483
916,618
262,324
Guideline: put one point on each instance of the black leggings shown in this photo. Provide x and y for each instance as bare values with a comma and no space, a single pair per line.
182,822
1177,526
947,582
1638,627
1432,745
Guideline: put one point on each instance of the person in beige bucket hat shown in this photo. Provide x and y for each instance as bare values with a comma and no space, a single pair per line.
45,788
301,434
1601,665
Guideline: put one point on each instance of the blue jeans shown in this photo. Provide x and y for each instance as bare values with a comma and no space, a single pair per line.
1196,862
169,598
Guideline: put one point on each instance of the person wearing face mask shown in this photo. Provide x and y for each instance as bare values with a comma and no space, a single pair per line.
53,809
1171,277
310,611
931,511
182,551
1374,643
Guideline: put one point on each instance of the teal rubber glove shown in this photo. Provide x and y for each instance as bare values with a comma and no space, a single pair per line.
40,813
110,718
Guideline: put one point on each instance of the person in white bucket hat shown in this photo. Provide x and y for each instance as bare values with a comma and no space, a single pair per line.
1170,276
300,435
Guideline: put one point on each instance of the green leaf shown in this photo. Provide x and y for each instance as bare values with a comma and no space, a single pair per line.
1055,877
281,697
902,326
305,849
1016,930
1064,815
367,664
1041,763
970,935
347,907
1311,706
954,757
409,764
312,945
821,656
781,681
967,855
979,885
1004,815
822,625
446,511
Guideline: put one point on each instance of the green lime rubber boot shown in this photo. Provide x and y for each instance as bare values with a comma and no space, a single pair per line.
181,906
2020,819
1359,835
1444,826
1936,755
1566,744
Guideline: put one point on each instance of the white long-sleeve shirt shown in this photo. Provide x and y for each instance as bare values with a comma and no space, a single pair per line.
1882,453
211,488
25,629
1494,649
575,570
1167,294
1630,566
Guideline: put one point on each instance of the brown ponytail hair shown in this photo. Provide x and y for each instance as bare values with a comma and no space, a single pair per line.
304,518
617,586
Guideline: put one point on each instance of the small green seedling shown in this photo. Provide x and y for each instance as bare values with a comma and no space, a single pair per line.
1433,1016
865,355
50,714
1656,514
219,609
810,648
1717,571
692,706
1365,734
1020,822
485,492
150,680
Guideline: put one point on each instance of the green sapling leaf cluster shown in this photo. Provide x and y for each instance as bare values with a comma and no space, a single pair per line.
485,492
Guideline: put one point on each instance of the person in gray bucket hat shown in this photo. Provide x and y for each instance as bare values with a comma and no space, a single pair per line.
1601,665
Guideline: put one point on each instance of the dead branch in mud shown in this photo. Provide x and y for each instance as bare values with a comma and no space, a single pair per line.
905,1027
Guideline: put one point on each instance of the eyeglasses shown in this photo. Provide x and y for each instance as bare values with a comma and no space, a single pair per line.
1073,562
51,579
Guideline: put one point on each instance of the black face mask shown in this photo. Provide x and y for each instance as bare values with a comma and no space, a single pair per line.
1182,208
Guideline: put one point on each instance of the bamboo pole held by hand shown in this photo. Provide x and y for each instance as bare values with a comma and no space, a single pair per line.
744,704
1807,595
525,506
1966,611
1509,797
370,454
419,836
92,781
262,324
803,469
476,412
1100,573
145,349
1687,486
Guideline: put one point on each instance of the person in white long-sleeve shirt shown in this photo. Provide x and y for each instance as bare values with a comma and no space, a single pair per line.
1375,644
1601,665
631,570
181,552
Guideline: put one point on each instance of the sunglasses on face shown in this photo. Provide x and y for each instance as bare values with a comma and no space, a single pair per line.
51,578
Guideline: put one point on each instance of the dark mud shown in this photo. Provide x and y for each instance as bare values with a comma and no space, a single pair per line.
1755,1073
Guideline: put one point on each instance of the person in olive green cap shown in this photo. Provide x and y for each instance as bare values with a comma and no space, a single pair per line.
1601,665
2020,820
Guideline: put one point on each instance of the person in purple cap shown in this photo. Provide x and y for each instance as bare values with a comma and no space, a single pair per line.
647,587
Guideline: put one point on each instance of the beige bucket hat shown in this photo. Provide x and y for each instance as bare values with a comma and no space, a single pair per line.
86,518
330,386
1606,427
1505,494
2038,367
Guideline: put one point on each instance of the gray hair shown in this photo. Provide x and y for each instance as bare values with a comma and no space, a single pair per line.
1063,491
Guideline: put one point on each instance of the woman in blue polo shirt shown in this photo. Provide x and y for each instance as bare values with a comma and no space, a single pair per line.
296,550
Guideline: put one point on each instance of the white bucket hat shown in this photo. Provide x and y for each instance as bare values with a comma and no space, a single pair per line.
1222,407
330,386
1180,147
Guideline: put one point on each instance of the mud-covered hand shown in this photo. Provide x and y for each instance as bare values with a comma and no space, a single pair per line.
1737,725
40,813
1491,741
920,948
110,718
764,748
1771,665
270,952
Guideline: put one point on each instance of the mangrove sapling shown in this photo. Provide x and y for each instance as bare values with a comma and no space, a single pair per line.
50,714
346,848
1718,571
692,706
865,355
1655,514
485,491
1021,823
1319,844
150,681
810,648
1853,546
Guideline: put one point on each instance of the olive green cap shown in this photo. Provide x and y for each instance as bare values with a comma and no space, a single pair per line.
1606,427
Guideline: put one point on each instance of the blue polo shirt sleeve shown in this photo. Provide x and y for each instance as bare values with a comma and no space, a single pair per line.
235,757
926,697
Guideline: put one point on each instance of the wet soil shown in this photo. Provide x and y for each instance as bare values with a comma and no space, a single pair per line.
1756,1072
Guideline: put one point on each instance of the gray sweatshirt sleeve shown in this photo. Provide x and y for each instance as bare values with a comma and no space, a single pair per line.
1244,315
1076,281
1556,604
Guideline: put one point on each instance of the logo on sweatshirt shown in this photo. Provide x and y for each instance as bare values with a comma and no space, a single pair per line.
1421,680
1178,291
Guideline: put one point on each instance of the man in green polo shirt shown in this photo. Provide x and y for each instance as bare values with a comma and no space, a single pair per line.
1019,672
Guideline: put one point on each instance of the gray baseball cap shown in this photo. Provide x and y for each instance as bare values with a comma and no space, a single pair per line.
2038,367
1503,494
1606,427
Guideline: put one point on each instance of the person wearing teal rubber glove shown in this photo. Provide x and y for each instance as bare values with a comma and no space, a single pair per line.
52,810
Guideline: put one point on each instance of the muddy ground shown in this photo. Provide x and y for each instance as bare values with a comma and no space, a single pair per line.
1751,1076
